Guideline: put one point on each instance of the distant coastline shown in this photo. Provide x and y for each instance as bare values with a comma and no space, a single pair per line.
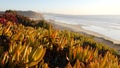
104,25
97,37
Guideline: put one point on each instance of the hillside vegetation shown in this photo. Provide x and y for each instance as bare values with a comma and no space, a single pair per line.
27,44
30,14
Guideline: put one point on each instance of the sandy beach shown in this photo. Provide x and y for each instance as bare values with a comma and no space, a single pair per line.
97,37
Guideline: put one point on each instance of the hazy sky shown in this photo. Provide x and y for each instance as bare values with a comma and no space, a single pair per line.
83,7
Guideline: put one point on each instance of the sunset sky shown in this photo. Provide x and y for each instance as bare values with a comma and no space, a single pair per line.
81,7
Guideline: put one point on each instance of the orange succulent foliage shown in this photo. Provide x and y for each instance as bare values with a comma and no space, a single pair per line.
27,46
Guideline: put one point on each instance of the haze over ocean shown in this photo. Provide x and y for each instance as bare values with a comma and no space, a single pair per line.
74,7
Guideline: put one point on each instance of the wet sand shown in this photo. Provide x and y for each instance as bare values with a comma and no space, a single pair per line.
97,37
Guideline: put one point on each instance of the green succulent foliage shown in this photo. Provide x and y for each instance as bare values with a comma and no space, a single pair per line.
44,47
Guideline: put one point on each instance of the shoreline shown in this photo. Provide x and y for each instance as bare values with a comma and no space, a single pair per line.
97,37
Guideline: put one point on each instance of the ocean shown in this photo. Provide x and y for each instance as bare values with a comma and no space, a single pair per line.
107,25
